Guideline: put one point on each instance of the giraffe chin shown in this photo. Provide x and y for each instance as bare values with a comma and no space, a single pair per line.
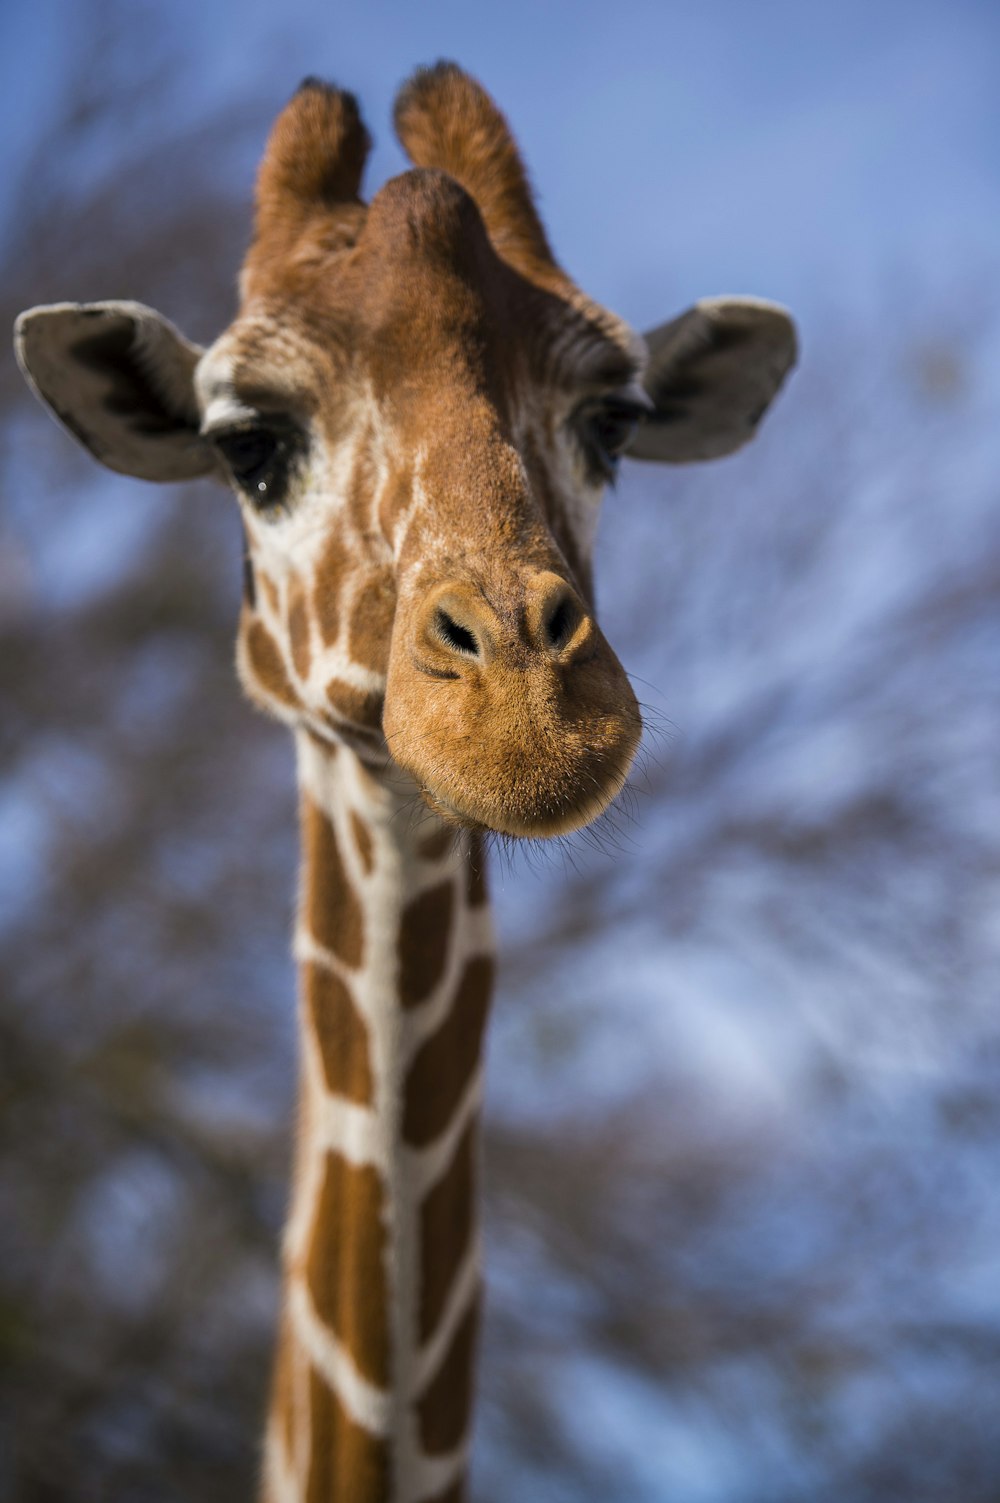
543,829
541,818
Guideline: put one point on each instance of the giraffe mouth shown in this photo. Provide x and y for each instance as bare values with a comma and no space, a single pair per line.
547,820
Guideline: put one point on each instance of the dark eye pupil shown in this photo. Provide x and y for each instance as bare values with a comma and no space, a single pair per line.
249,451
254,455
614,429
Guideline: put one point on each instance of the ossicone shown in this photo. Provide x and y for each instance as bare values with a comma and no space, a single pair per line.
315,155
445,119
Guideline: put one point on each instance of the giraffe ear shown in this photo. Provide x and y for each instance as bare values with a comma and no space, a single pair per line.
712,374
120,378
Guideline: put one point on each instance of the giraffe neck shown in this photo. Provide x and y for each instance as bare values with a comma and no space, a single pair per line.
373,1382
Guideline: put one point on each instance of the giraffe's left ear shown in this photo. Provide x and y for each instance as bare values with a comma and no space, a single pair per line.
120,377
712,374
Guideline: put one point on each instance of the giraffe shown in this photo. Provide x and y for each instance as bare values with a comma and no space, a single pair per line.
418,412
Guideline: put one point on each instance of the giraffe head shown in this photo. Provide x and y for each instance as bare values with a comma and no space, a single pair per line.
418,412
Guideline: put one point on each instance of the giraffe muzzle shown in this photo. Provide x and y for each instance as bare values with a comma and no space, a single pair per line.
507,705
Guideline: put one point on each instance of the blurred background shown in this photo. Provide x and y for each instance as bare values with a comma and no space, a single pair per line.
744,1077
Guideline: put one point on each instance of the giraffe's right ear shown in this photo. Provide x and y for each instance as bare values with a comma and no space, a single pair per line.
712,374
120,377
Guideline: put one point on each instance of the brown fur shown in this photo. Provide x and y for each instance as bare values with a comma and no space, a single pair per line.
340,1448
268,666
433,846
270,590
363,841
445,119
298,632
370,628
341,1035
445,1227
332,910
443,1065
309,180
345,1265
445,1404
423,942
362,707
283,1406
333,570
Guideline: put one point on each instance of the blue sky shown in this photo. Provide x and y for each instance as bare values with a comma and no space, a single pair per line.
815,154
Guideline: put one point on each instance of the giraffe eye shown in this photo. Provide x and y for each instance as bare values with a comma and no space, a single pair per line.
258,461
606,431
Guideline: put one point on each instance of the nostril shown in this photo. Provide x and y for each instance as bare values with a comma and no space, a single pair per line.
561,623
454,635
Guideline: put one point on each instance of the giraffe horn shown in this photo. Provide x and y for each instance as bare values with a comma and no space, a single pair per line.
315,156
445,119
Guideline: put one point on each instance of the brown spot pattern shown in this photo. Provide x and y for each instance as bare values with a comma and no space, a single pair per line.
327,747
362,706
271,591
268,666
364,481
330,576
396,497
424,934
434,845
346,1461
365,743
298,631
341,1035
445,1229
363,842
345,1264
476,891
333,913
445,1406
444,1063
371,622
